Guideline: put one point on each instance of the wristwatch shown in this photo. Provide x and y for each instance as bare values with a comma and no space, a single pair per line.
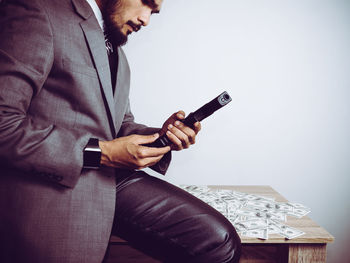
92,154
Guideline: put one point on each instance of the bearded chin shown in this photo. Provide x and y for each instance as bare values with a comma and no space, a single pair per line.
115,35
111,30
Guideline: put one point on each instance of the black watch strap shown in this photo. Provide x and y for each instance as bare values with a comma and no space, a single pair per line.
92,154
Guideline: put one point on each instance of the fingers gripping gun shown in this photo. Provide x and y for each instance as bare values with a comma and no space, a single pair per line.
203,112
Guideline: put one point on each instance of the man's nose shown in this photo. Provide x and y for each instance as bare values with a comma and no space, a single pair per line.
144,17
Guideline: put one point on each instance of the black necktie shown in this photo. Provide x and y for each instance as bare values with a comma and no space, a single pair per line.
113,61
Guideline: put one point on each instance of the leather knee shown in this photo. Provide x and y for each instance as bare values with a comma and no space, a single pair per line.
221,243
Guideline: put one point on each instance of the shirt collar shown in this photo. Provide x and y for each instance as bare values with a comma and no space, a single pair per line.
97,12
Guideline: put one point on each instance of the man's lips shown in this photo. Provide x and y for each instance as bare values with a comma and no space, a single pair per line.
134,27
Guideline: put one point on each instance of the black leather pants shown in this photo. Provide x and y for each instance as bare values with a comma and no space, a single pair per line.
171,225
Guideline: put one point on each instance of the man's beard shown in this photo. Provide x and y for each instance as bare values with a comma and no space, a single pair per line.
112,31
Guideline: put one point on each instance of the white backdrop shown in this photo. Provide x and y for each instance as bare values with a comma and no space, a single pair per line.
286,64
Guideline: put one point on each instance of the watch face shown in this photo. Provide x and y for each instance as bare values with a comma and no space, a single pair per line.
92,154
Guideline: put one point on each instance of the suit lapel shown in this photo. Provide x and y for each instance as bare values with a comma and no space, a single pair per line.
121,94
95,39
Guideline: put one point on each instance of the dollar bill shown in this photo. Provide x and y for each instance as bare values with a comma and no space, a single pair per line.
257,233
254,224
272,228
287,231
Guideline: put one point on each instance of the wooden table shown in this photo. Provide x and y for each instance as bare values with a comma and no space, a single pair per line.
310,247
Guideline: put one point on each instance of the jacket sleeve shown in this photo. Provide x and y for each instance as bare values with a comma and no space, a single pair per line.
26,58
129,126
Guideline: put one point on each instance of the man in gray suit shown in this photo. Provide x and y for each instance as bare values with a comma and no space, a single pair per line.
70,152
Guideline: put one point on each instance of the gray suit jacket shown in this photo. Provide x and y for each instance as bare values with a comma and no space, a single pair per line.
55,93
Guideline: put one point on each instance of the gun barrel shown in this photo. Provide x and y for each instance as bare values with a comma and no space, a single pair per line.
208,109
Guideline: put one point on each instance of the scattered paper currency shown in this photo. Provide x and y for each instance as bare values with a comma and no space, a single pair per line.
252,215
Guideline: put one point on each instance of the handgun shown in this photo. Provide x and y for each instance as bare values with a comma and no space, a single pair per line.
203,112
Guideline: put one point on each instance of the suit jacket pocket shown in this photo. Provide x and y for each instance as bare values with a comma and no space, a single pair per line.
73,66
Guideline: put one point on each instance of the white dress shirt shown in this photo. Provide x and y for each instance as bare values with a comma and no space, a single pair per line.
97,12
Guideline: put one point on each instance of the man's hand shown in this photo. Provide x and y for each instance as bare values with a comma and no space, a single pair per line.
179,134
129,152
